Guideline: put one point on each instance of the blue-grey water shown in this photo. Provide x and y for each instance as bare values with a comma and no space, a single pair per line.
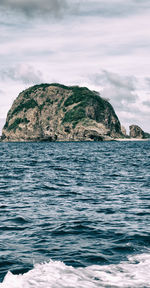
85,204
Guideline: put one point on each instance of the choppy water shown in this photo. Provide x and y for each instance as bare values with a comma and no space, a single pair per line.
75,214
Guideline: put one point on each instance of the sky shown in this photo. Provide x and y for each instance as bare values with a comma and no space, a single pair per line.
101,44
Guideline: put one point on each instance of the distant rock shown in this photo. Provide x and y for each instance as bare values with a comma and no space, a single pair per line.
54,112
138,133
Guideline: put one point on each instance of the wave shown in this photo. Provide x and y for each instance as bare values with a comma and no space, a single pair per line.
55,274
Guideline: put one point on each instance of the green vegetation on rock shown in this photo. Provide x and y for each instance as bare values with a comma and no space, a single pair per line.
25,105
74,115
17,121
81,94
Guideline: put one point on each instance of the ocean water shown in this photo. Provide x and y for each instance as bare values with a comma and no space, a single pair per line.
75,215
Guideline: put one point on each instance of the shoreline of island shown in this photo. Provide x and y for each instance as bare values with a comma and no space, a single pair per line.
131,139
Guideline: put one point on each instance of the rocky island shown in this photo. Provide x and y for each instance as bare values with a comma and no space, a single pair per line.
137,133
54,112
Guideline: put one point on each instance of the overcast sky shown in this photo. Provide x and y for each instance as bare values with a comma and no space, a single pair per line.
101,44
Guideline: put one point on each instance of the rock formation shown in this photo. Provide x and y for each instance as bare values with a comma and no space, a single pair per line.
138,133
50,112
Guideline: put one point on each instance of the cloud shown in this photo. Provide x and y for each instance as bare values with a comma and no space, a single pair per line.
113,8
147,79
146,103
103,8
34,7
2,122
127,82
22,73
119,89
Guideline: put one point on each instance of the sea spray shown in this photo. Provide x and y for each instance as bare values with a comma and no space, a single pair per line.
55,274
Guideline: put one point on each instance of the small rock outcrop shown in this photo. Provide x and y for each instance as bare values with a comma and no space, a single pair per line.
54,112
138,133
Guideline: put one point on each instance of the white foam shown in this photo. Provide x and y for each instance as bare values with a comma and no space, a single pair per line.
133,273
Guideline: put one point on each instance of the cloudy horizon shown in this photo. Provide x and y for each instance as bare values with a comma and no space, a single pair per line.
103,45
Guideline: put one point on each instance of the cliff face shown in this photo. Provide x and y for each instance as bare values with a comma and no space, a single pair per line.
50,112
138,133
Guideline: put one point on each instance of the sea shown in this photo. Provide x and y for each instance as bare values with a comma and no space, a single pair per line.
75,214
